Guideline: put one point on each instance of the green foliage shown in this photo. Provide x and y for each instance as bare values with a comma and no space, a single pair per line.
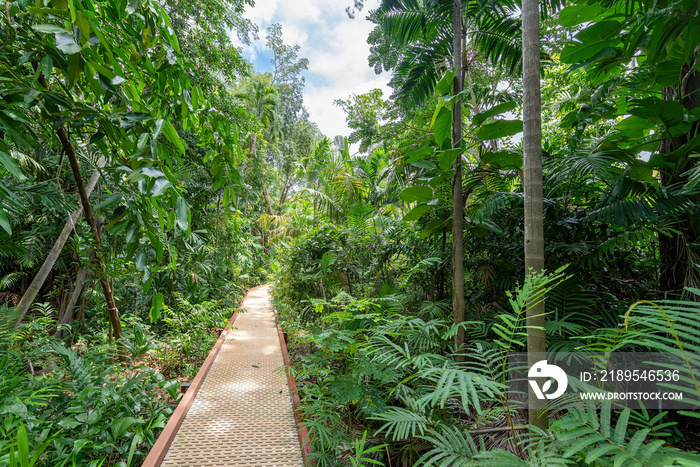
191,329
74,407
591,438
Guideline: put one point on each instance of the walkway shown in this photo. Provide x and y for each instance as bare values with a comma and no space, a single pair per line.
242,415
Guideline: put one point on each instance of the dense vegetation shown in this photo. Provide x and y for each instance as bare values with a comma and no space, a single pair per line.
149,175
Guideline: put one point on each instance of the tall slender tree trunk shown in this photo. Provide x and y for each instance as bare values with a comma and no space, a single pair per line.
112,311
457,202
534,231
41,276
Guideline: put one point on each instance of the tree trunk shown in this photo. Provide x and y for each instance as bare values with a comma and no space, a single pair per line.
457,204
113,313
285,191
534,231
41,276
81,278
267,201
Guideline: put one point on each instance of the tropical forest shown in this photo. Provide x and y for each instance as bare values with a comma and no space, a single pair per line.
525,185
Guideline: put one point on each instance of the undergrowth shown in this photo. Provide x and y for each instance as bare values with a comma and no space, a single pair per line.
75,404
378,371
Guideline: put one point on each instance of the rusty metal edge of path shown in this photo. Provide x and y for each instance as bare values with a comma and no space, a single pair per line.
160,448
302,430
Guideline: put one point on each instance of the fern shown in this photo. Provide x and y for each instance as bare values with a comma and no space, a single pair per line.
467,386
401,423
8,321
79,368
511,328
452,447
542,453
592,438
11,280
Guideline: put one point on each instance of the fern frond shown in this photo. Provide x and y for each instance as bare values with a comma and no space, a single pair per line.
401,423
469,387
79,368
593,439
452,447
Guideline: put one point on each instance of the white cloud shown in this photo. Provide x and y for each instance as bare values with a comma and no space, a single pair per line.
336,47
263,12
292,34
301,11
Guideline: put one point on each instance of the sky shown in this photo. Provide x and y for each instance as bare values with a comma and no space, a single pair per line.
335,45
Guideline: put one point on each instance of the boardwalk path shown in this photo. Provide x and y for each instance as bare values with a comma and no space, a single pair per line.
242,415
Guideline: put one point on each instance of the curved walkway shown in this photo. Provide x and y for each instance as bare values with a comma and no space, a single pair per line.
242,415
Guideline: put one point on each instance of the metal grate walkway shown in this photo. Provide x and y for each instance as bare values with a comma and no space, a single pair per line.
242,415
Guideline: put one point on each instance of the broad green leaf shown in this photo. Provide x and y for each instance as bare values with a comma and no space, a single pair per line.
591,41
31,96
171,220
667,113
443,126
14,131
151,171
69,422
160,249
110,200
227,194
160,123
445,84
668,72
449,157
4,222
436,112
495,110
424,165
121,426
434,226
11,165
580,13
130,119
417,212
182,212
103,70
50,29
75,69
172,386
19,116
499,129
141,261
66,44
416,193
159,186
634,126
173,137
156,305
503,160
219,183
419,154
23,445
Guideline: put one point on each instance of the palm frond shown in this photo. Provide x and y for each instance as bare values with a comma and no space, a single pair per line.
452,447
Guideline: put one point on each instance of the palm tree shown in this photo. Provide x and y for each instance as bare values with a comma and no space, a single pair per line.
417,41
261,101
457,202
423,42
534,231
